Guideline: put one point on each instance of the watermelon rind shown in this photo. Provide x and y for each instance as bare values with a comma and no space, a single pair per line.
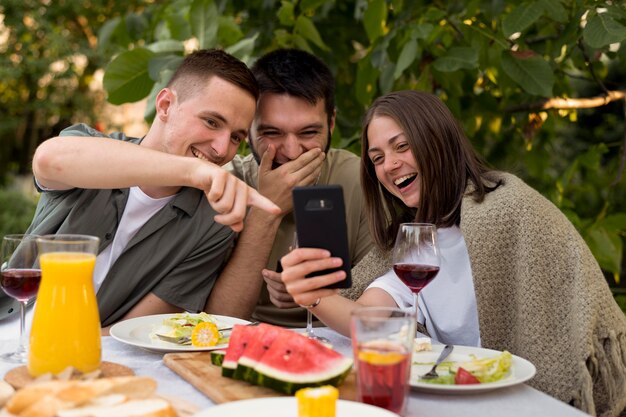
284,383
217,357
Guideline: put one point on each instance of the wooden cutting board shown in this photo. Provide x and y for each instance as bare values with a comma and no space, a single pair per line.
197,369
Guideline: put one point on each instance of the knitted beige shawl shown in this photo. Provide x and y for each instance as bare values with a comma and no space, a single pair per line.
540,295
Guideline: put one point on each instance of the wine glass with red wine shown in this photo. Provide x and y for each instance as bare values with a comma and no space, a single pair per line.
19,278
416,256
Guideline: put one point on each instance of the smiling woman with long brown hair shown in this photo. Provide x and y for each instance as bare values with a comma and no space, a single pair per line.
515,274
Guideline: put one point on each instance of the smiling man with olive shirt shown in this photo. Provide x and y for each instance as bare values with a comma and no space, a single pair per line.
161,205
290,143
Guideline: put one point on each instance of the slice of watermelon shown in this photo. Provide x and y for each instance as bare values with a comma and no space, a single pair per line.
294,361
240,336
255,349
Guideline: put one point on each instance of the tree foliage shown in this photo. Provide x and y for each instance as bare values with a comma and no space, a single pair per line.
537,84
48,59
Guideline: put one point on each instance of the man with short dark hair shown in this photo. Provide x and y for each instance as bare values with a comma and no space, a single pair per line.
290,143
156,202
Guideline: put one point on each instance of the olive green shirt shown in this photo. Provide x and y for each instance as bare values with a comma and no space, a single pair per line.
176,255
340,167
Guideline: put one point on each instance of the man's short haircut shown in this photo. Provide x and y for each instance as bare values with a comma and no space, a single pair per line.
297,73
202,64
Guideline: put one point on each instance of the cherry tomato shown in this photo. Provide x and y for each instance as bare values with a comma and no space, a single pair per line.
463,377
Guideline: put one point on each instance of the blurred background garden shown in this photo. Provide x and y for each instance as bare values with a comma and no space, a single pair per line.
538,85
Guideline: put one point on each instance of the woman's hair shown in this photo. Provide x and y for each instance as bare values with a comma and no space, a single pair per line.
446,163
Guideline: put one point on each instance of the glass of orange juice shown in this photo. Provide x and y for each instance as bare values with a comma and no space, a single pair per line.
382,341
66,323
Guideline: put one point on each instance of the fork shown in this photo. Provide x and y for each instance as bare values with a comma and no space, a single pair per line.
444,354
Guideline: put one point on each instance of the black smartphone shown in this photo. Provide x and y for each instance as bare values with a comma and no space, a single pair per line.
320,216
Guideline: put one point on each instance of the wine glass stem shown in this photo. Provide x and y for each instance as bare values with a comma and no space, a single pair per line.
21,349
415,305
309,322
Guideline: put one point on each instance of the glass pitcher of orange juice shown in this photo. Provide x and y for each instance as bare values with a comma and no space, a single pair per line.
66,323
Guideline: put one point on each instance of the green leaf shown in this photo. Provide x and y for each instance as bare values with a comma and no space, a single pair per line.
305,27
615,221
244,48
301,43
160,63
166,46
521,17
602,30
283,38
397,5
533,74
366,77
457,58
379,56
555,10
285,13
616,10
126,78
229,31
387,78
592,159
311,5
433,14
374,19
424,82
178,26
606,245
406,58
107,31
422,30
135,24
204,19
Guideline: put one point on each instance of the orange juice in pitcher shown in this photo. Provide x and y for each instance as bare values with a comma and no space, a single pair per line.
66,324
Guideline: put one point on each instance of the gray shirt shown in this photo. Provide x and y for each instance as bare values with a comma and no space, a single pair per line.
176,255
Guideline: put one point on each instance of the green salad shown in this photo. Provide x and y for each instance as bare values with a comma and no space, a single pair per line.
476,370
182,324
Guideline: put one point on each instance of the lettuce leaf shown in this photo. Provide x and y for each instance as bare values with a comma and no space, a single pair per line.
182,324
488,369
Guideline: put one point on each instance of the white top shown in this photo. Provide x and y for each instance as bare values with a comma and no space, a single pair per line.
447,306
139,209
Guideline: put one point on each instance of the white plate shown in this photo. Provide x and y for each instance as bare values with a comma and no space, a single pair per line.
137,332
521,370
287,407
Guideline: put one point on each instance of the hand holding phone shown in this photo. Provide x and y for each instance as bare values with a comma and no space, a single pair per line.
320,216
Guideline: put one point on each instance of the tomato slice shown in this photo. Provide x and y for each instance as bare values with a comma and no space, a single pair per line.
463,377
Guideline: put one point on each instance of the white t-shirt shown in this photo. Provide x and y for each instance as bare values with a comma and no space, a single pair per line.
139,209
447,306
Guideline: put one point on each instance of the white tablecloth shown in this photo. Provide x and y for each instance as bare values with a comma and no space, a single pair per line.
520,400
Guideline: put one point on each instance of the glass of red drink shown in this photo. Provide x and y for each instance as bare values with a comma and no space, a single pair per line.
416,256
20,276
382,341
